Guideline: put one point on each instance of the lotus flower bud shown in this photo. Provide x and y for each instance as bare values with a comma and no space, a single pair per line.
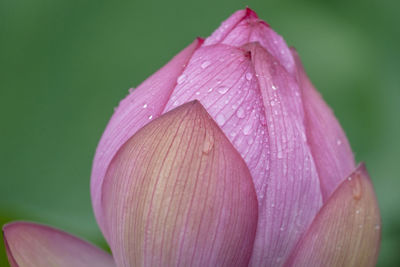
228,156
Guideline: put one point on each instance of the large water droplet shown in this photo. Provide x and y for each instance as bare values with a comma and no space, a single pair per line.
249,76
240,113
181,79
220,119
208,143
223,89
205,64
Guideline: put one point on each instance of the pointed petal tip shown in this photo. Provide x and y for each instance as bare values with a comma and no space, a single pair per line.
200,40
250,13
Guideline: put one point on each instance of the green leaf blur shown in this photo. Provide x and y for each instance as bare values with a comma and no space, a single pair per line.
65,64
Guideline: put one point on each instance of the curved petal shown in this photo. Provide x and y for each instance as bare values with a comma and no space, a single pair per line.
292,194
331,150
140,107
35,245
257,104
346,232
244,27
178,194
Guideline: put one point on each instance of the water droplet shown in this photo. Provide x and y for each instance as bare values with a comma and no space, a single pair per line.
150,117
240,113
349,178
357,211
197,93
357,189
145,106
377,227
181,79
338,142
272,103
208,143
223,89
220,119
280,155
176,103
274,87
247,129
249,76
205,64
210,90
282,228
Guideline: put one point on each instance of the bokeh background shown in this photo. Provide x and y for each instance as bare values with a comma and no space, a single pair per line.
65,64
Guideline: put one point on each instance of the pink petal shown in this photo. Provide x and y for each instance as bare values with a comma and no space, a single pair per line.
346,232
34,245
331,150
178,194
257,104
136,110
244,27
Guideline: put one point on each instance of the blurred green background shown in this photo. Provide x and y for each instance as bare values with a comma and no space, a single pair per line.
65,65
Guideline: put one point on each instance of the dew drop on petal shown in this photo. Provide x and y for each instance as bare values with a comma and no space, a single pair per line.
145,105
249,76
181,79
150,117
208,143
220,119
205,64
274,87
240,113
247,129
223,89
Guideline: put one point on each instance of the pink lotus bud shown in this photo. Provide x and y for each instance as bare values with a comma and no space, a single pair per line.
228,156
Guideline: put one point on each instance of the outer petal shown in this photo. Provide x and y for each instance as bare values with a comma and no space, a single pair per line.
244,27
329,145
136,110
34,245
178,194
346,232
258,106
